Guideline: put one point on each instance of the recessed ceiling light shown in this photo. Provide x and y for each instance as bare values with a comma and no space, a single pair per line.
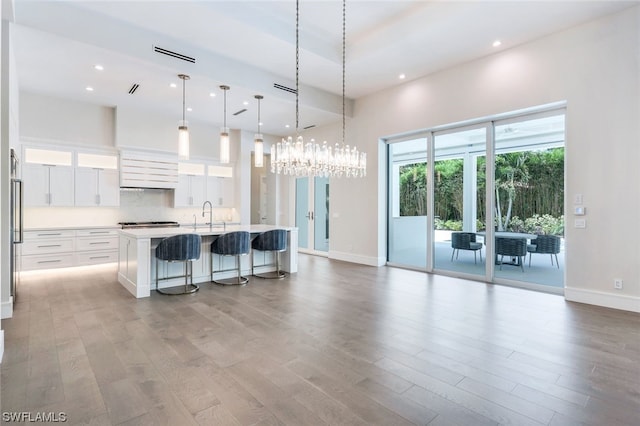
89,89
402,76
287,126
497,43
173,85
245,103
98,67
189,109
213,95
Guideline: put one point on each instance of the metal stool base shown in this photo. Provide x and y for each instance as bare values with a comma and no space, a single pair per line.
232,281
179,289
274,275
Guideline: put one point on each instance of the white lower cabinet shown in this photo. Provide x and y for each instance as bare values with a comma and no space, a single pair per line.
95,246
62,248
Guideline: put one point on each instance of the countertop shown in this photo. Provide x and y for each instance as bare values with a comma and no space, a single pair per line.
204,230
52,228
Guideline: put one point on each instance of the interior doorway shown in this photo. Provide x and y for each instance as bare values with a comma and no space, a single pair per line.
312,214
263,193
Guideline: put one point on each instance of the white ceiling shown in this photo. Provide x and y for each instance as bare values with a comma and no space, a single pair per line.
250,45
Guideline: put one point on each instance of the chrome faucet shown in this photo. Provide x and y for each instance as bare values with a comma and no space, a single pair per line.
210,211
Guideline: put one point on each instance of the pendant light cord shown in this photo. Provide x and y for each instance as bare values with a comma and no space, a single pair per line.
297,63
183,98
344,48
225,109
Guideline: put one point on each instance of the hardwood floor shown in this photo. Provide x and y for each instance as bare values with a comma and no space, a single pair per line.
336,343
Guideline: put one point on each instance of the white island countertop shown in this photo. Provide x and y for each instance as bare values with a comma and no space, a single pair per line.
136,258
200,229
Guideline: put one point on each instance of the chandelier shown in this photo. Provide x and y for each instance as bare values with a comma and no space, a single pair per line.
298,158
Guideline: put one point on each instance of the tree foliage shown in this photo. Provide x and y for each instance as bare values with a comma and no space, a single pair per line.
529,184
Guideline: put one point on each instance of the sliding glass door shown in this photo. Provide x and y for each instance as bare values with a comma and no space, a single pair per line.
491,208
459,202
408,203
529,199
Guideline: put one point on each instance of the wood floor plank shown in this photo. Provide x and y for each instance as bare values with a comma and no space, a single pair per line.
335,343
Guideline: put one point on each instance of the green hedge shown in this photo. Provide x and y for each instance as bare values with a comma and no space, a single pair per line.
537,224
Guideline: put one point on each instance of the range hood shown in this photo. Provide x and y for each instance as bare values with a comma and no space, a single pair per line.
148,170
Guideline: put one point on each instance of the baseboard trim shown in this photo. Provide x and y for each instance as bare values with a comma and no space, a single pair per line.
6,309
600,298
355,258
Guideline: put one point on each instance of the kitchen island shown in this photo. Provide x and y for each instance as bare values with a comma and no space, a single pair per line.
137,262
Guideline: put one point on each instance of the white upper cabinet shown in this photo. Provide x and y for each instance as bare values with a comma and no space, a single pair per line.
191,185
97,180
49,178
220,186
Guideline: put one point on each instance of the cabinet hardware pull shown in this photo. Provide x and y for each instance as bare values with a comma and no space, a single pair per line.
99,257
50,245
48,235
99,242
49,261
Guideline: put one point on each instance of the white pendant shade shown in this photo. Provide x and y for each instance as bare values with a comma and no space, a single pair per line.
183,141
258,150
224,146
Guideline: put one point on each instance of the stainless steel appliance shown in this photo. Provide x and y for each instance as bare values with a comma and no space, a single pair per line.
155,224
17,221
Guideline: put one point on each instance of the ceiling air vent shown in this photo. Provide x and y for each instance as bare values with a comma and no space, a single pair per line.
309,127
133,89
285,88
239,112
174,54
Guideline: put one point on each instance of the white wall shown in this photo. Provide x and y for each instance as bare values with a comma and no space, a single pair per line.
595,69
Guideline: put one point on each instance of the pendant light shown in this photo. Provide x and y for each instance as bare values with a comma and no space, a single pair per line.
311,159
183,130
224,132
258,146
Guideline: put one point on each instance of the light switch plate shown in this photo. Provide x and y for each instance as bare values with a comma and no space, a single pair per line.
580,223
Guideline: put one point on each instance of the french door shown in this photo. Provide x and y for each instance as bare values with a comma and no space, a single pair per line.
312,214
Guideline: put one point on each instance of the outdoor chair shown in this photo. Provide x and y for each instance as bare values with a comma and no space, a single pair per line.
511,247
545,244
465,241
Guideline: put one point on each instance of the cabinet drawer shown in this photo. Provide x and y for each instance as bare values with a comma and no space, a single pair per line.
102,243
47,245
97,257
30,263
96,232
54,233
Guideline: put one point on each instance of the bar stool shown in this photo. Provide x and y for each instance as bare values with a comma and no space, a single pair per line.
231,244
179,248
274,241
